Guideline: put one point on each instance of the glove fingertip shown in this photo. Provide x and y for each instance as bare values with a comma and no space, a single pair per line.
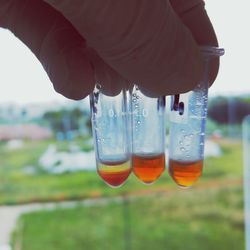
72,75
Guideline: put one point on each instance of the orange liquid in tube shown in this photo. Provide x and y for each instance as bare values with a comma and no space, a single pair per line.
114,173
148,168
185,173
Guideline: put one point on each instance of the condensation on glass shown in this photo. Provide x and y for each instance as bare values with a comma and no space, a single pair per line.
110,126
148,135
187,127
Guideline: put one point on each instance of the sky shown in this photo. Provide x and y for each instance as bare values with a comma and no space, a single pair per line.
23,80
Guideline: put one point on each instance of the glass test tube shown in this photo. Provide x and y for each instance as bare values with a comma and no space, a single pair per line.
148,136
246,154
187,127
110,126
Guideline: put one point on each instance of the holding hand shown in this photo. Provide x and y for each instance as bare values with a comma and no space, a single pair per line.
115,42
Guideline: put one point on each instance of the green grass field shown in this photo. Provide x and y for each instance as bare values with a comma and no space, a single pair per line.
158,216
17,187
182,219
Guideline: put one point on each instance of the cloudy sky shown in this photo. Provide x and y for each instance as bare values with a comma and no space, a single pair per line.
23,80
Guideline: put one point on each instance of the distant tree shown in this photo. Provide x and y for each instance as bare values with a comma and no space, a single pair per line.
54,119
89,125
246,99
66,120
229,110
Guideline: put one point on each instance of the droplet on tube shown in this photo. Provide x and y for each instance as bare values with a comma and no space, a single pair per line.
182,149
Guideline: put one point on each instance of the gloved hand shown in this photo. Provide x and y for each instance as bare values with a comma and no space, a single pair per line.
114,42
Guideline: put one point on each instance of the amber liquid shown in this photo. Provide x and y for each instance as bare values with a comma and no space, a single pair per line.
148,168
185,173
114,173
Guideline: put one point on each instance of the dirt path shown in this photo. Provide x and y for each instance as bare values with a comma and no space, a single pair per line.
10,214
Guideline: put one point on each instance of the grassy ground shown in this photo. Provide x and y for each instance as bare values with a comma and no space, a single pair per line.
18,187
183,219
159,216
229,165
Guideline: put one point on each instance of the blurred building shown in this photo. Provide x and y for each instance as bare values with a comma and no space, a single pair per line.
24,131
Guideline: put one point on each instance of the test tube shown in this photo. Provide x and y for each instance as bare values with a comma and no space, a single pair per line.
148,136
246,156
110,127
187,127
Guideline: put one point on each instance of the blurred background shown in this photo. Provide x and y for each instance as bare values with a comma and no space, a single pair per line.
51,196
